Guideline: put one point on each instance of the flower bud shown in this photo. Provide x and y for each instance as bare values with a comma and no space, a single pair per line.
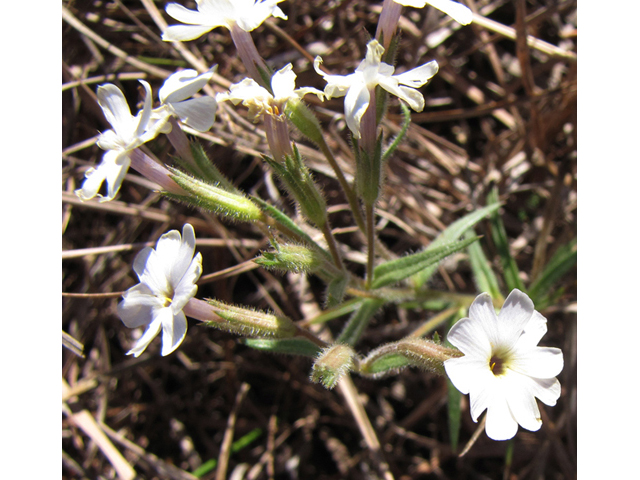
216,199
332,363
291,258
246,321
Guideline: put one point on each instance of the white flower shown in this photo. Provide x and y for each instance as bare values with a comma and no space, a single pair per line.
128,133
167,282
199,113
503,369
455,10
247,14
357,87
260,101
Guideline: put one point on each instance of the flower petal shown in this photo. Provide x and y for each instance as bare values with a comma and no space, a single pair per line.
356,103
500,424
283,83
417,77
174,329
182,85
469,336
521,400
538,362
465,372
116,110
533,332
514,317
455,10
150,333
182,33
198,113
137,306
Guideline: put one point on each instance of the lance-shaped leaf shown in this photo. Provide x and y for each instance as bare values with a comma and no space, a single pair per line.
451,233
397,270
289,346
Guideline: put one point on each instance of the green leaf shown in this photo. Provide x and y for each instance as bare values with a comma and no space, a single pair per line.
483,275
337,311
236,446
499,235
359,321
401,268
385,364
289,346
335,291
562,262
451,233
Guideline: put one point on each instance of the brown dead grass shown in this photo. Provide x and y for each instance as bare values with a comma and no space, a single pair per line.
498,113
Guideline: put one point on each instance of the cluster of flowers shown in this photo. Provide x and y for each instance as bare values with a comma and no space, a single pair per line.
498,363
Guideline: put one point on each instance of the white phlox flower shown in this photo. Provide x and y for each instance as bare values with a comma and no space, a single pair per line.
503,370
128,133
198,113
247,14
167,282
260,101
459,12
372,71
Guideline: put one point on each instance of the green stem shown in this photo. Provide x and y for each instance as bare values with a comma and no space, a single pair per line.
371,240
333,246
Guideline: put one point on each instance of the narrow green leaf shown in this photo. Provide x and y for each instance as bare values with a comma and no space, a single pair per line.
499,235
236,446
562,262
289,346
401,268
335,291
337,311
451,233
359,321
385,364
483,275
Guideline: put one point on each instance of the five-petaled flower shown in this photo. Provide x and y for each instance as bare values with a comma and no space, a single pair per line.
128,133
459,12
260,101
246,14
358,87
503,370
198,113
167,282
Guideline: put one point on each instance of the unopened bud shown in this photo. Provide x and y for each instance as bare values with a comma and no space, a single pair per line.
246,321
332,363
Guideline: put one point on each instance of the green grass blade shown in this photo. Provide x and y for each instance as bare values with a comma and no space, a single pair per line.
358,322
483,275
236,446
499,235
451,233
562,262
